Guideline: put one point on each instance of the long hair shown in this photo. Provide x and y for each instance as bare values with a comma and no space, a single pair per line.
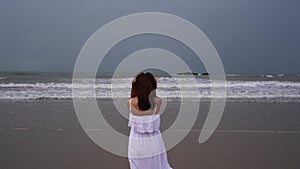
133,90
153,81
142,88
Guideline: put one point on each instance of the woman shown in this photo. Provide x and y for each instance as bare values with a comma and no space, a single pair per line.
146,149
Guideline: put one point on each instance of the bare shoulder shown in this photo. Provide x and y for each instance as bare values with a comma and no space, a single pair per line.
158,100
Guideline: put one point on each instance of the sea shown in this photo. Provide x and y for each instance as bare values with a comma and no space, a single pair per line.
40,86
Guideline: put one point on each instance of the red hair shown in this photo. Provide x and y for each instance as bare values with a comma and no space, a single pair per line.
142,88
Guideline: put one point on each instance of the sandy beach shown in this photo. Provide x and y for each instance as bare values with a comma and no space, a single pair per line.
241,54
252,134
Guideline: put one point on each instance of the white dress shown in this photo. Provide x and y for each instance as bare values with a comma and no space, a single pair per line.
146,148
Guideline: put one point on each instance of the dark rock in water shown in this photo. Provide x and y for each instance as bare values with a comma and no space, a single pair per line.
188,73
192,73
204,74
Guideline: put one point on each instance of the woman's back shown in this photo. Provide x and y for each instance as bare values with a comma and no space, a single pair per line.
143,122
146,148
134,108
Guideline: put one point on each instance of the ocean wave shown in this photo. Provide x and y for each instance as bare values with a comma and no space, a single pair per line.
276,98
3,77
186,83
268,76
167,88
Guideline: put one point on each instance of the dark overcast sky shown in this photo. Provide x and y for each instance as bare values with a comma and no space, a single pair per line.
251,36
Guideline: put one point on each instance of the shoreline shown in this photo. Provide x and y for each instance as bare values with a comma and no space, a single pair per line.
228,99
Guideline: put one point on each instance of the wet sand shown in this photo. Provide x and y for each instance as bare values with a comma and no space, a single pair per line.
252,134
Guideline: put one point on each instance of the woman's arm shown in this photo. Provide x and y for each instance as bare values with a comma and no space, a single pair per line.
158,101
127,104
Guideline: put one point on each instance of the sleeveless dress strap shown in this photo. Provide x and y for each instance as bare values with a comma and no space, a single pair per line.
130,105
155,108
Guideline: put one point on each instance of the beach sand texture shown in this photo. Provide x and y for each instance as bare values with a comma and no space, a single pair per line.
252,134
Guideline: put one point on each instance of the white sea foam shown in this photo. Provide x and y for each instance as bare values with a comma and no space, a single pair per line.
3,78
167,88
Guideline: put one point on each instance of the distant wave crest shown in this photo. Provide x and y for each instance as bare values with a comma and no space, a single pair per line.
167,88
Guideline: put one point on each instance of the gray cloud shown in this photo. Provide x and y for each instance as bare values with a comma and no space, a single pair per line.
250,36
